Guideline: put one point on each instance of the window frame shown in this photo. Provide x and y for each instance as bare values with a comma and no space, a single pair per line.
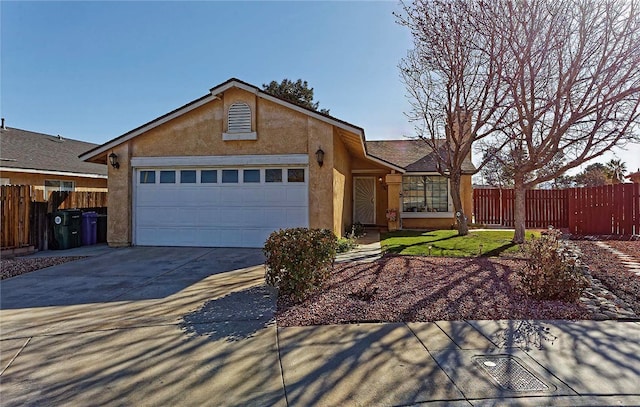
426,214
50,188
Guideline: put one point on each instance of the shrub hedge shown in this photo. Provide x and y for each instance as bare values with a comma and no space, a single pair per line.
552,271
299,260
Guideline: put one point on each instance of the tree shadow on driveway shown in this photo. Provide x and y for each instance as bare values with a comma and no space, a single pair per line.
236,316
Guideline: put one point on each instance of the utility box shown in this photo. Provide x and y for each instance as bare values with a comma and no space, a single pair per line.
89,228
66,228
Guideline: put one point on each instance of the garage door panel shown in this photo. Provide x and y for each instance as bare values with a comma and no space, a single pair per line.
231,215
296,195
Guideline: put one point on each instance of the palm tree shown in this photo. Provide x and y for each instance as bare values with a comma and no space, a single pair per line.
616,170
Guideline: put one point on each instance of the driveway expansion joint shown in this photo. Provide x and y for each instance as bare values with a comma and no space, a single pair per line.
16,355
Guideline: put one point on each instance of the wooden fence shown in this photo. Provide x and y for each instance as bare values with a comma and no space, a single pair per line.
606,210
16,208
25,216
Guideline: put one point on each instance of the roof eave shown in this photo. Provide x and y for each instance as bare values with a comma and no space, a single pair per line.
53,172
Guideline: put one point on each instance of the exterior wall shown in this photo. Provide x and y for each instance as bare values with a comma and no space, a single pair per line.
466,190
427,223
37,180
394,188
342,187
448,222
321,211
199,133
381,200
119,197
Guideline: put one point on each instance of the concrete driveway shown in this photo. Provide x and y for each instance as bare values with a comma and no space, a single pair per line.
142,326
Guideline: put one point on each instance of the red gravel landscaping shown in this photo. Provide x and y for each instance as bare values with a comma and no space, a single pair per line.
407,288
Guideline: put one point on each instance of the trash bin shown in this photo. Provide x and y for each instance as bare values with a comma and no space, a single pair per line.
102,229
89,228
66,228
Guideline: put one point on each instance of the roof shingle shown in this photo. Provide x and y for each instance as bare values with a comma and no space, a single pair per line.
37,151
412,155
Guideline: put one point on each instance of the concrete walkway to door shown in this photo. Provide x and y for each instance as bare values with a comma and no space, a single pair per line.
195,326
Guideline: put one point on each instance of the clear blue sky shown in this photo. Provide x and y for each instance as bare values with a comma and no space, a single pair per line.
95,70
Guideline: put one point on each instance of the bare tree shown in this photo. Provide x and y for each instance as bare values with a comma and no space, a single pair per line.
453,79
550,84
572,69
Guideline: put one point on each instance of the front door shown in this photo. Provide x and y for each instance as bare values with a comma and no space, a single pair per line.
364,192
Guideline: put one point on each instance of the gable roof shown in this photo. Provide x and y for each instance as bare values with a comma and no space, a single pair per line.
38,152
213,95
412,155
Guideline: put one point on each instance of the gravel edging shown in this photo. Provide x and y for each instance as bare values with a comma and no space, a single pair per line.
21,265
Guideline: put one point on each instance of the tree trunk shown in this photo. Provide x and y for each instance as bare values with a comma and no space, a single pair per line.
519,210
461,218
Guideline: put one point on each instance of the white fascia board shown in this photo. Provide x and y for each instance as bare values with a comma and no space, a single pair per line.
153,124
233,84
220,160
410,173
50,172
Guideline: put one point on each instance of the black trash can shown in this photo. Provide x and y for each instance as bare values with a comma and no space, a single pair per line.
66,228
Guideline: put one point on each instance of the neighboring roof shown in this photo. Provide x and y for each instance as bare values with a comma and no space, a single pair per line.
213,94
412,155
37,152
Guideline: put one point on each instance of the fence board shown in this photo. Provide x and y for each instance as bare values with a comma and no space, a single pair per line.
25,219
607,209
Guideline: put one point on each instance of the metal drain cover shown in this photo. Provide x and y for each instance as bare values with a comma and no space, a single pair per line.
510,374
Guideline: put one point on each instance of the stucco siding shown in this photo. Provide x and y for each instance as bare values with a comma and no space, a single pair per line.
467,195
119,197
342,187
320,178
427,223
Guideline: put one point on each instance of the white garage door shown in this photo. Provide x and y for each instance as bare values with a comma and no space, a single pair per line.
217,207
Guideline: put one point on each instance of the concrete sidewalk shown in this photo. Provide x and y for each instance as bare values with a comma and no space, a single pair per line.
196,326
368,249
441,363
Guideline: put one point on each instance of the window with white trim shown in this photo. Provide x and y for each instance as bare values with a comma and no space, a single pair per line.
51,185
425,193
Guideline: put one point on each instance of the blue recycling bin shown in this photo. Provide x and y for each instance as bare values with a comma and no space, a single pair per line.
89,228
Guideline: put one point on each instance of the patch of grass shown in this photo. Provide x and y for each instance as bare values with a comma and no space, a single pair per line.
447,243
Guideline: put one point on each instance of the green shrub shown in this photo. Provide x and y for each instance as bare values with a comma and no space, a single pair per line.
345,244
299,259
552,271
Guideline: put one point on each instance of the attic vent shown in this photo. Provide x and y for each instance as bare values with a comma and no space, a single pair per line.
239,118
